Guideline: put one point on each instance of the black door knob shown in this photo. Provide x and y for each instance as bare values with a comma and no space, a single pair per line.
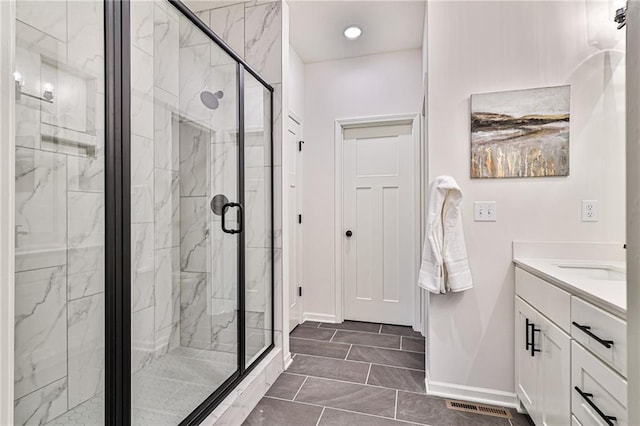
348,233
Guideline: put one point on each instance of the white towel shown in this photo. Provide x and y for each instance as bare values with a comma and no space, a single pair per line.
445,265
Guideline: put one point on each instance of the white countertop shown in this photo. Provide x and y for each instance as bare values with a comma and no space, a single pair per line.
607,294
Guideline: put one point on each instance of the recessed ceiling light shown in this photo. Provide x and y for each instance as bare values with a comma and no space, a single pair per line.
352,32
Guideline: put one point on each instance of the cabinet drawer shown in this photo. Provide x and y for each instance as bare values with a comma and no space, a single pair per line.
604,326
551,301
602,389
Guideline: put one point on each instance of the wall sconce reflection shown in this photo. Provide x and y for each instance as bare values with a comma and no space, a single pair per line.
47,94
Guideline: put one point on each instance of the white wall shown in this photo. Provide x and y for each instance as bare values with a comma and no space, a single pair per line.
477,47
373,85
296,83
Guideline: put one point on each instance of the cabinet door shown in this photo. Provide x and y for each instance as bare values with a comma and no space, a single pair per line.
554,386
527,366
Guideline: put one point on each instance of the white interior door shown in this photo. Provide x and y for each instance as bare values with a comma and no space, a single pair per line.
294,186
379,205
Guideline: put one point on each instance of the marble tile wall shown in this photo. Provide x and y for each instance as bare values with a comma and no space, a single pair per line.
59,349
156,182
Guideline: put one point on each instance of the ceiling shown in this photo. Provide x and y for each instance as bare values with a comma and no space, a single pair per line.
316,27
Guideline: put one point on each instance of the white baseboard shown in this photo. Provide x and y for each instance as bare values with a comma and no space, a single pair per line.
310,316
287,360
472,394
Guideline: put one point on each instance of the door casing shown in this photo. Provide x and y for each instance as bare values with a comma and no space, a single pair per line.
296,253
339,126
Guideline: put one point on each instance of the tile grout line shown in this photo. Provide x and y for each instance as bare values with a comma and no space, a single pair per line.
366,381
321,414
356,344
358,384
333,335
341,409
296,395
301,384
348,352
368,332
360,361
334,359
395,410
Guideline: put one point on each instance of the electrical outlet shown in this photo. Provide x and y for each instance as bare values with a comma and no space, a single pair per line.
589,210
485,211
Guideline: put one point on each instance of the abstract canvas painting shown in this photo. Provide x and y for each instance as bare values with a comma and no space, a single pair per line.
521,133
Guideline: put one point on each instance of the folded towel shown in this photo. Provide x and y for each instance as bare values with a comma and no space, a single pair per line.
445,265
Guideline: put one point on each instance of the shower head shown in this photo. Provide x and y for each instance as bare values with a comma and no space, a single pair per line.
211,100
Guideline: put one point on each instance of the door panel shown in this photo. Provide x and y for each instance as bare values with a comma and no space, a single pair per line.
391,244
364,236
378,209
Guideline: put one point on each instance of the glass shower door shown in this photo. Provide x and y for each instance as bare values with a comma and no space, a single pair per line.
258,241
186,215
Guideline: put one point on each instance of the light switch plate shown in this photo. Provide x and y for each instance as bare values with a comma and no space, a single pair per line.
485,211
589,210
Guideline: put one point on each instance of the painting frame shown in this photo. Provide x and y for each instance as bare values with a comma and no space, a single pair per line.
522,133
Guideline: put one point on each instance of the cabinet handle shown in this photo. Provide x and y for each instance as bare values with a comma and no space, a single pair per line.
587,330
533,339
587,397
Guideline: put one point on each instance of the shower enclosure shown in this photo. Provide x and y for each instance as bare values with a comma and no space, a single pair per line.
144,214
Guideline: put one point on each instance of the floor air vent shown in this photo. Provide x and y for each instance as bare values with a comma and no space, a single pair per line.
486,410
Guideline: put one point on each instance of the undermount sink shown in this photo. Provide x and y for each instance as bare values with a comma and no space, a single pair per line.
596,272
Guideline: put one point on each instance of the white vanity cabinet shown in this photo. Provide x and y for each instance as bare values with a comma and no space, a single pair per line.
543,360
570,357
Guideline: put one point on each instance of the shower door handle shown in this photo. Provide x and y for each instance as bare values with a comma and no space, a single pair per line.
240,216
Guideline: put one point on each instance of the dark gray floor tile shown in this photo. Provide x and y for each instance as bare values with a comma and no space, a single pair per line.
394,358
272,412
312,347
310,324
413,344
312,333
286,386
368,327
367,339
332,417
348,396
425,409
348,371
399,330
397,378
521,419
